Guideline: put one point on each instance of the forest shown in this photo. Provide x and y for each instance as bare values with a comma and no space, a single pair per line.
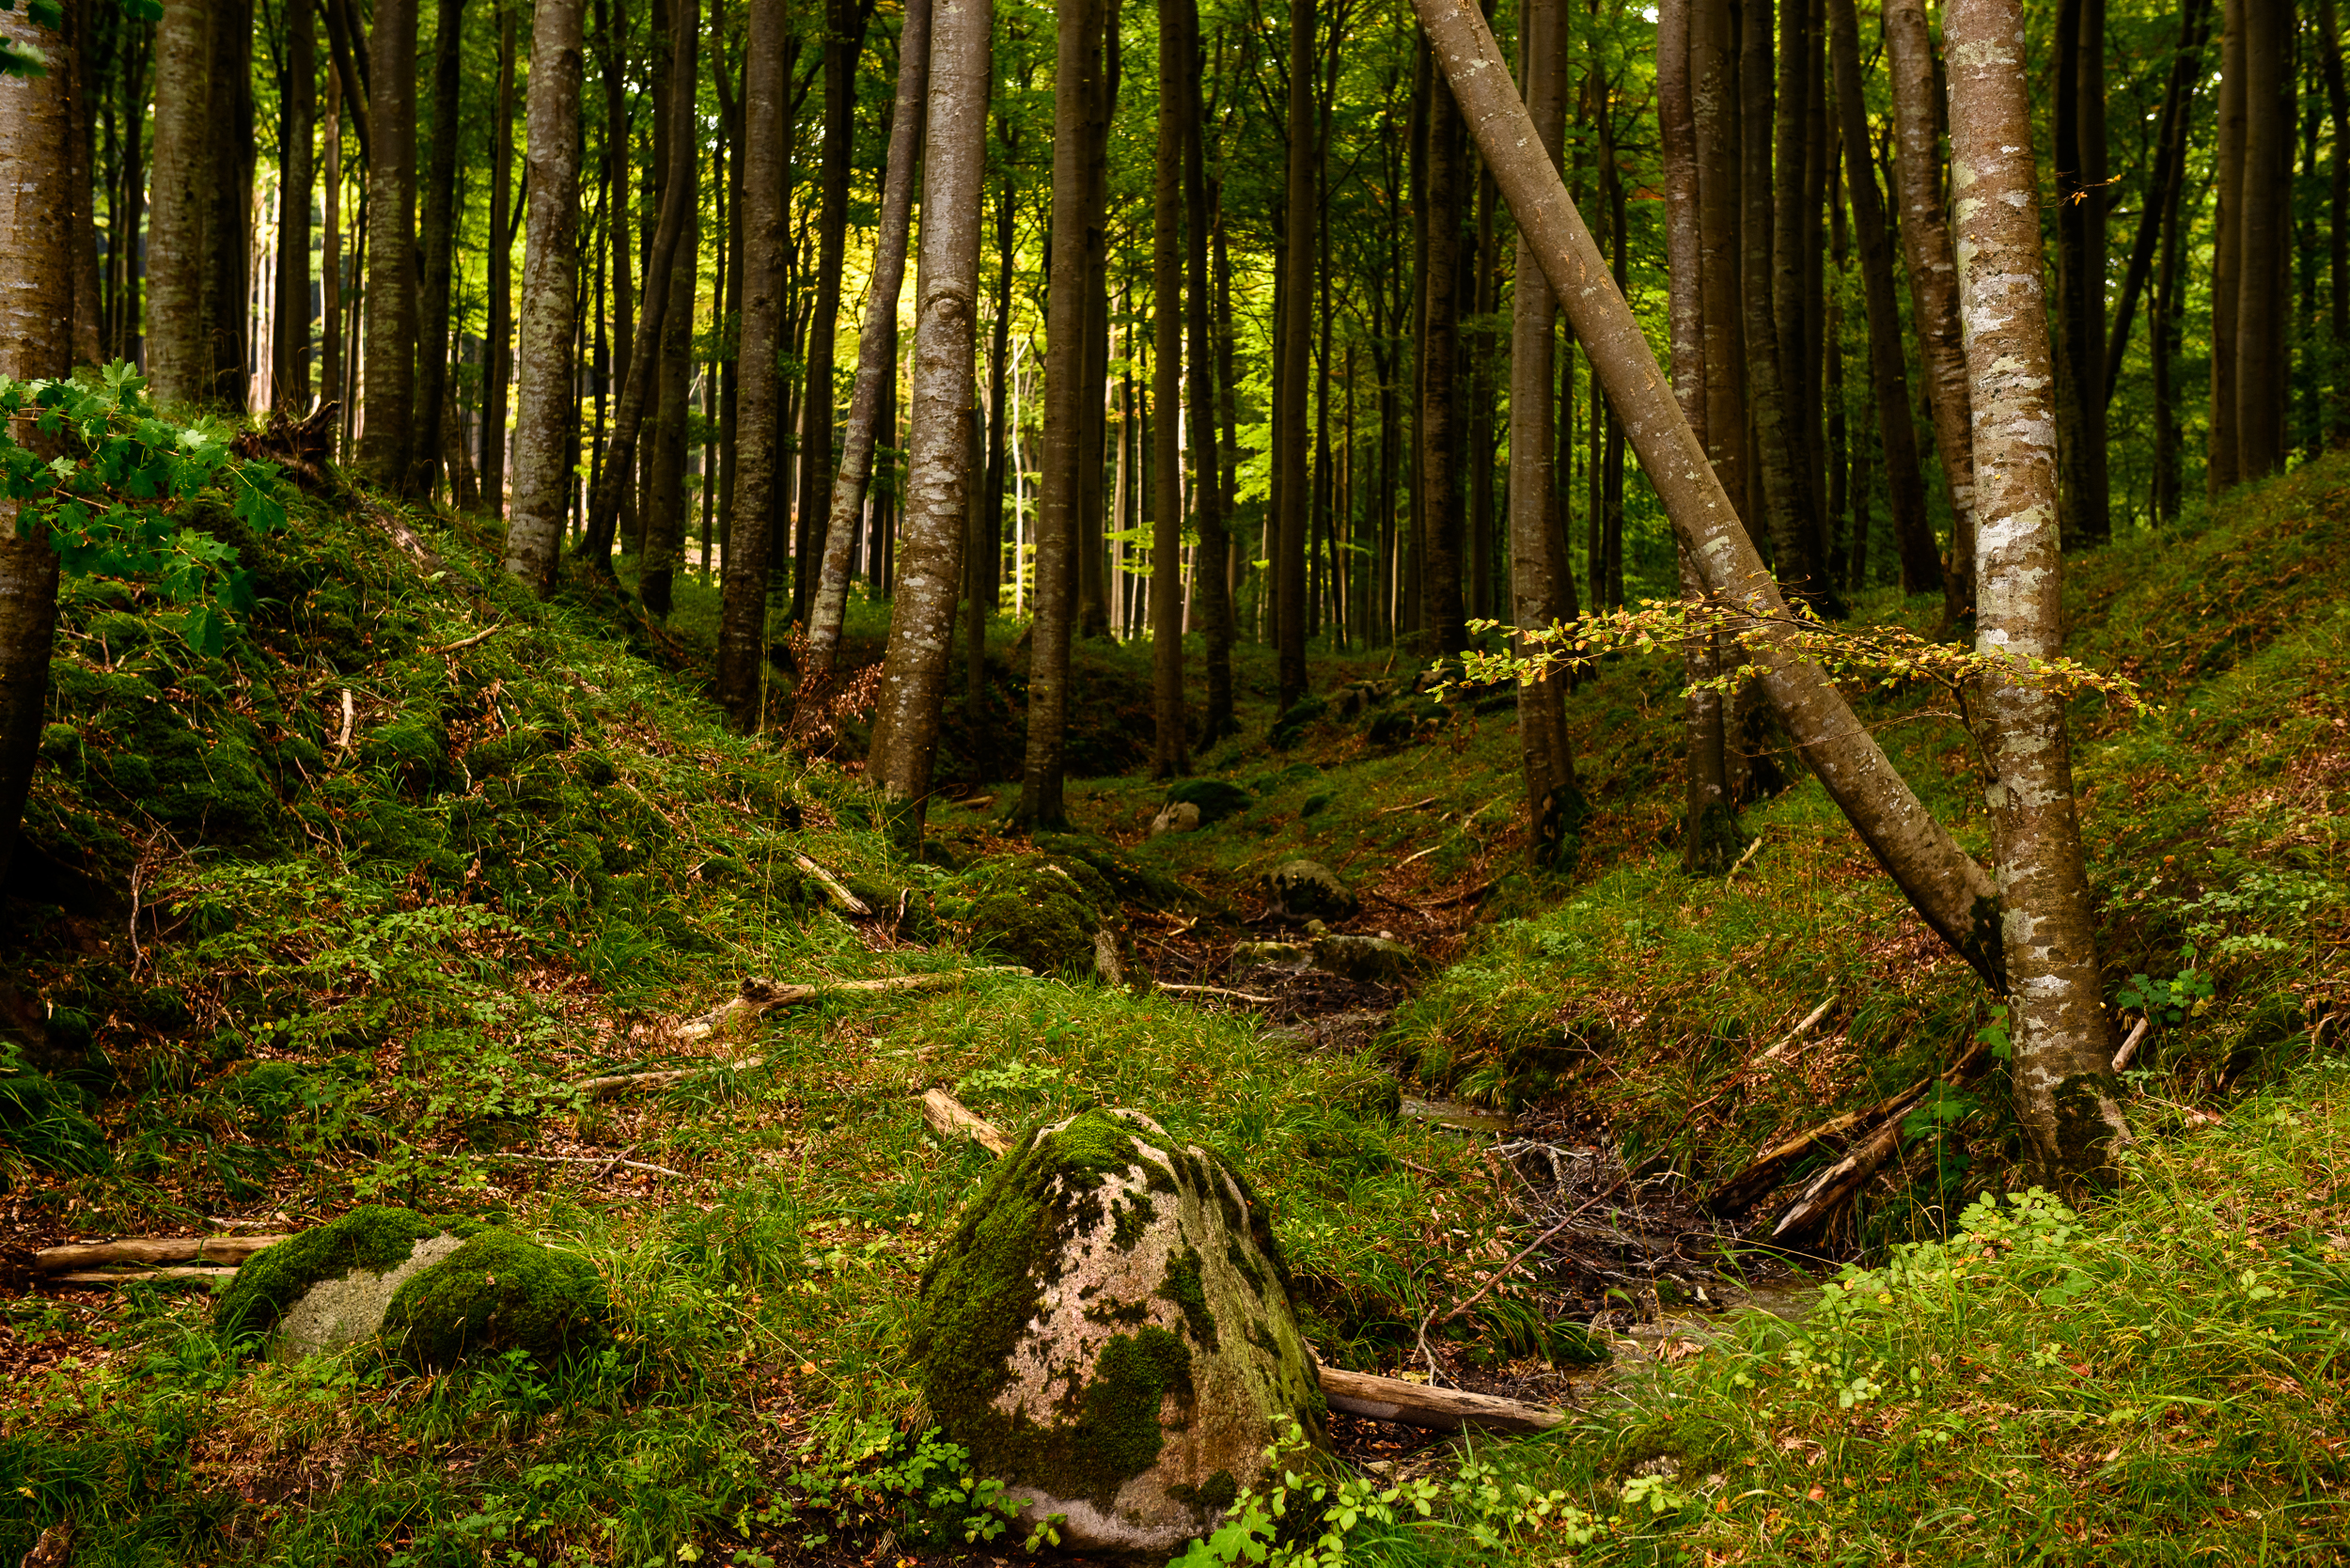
1305,782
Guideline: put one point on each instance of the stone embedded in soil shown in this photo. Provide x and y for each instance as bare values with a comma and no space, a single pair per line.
1376,960
1262,955
1180,816
330,1287
1306,889
498,1292
1109,1333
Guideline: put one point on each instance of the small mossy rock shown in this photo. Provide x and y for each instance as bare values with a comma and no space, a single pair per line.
1375,960
1040,913
1178,816
329,1287
498,1292
1127,879
1217,798
1110,1334
1304,889
1264,955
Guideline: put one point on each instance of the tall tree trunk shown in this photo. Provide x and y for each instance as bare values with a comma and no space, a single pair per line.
544,452
2262,364
36,343
983,556
766,143
1950,891
387,434
330,253
439,246
82,56
661,267
1767,382
2079,123
1889,375
2222,465
1059,479
1296,349
1445,614
938,466
877,341
1212,587
620,232
290,368
1789,120
1710,825
497,361
2170,138
2063,1078
179,349
1178,115
664,519
844,41
229,187
1713,105
2337,222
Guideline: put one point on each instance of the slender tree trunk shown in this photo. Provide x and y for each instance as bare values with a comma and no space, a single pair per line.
1213,609
877,342
1952,894
544,452
330,253
2223,467
1714,102
1805,565
497,359
1789,527
2064,1089
844,41
661,266
36,343
983,562
2170,138
1445,614
2262,364
290,368
2337,221
386,432
178,351
921,624
1090,550
2079,120
1060,480
1296,349
620,232
665,519
766,142
2162,331
82,56
1934,277
1888,376
229,187
439,247
1178,114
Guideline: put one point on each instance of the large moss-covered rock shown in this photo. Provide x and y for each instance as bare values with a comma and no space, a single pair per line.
497,1293
330,1287
1109,1333
1041,913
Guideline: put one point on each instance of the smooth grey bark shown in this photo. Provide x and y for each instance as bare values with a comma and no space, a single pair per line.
1059,479
1932,266
2221,465
878,340
2064,1076
289,358
438,243
1950,891
1211,607
938,446
1785,522
1171,753
1291,440
387,434
1444,611
544,451
36,344
499,365
844,42
179,352
1713,107
743,611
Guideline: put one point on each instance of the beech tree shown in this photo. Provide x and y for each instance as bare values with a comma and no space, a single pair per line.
543,447
387,434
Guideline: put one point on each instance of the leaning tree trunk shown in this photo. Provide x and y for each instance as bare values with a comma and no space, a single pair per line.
544,450
1064,421
1212,594
938,450
2063,1074
1950,891
1934,275
290,360
179,352
1169,754
36,344
742,612
386,435
1889,374
877,340
1553,800
439,244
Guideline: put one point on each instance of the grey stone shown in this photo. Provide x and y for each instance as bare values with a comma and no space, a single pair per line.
1180,816
1373,959
1304,889
1268,955
351,1306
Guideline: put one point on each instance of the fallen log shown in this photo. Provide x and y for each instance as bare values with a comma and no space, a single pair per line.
1391,1399
118,1275
759,997
161,1249
1382,1399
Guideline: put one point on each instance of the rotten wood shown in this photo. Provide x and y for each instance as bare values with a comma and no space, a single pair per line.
1391,1399
1802,1028
949,1118
160,1249
118,1275
2129,1047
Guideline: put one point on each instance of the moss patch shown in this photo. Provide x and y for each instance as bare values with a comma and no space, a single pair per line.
497,1293
1040,913
1183,1289
375,1236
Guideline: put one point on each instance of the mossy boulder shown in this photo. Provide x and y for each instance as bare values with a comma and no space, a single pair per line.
499,1292
1109,1333
1216,798
1041,913
1375,960
330,1287
1307,889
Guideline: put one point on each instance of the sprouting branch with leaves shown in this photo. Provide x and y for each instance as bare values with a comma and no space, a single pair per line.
90,462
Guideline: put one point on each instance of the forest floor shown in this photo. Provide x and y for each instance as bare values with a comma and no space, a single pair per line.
347,913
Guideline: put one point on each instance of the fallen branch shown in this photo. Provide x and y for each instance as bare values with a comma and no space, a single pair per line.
1391,1399
1742,860
342,741
1836,1187
172,1249
1412,805
1217,991
117,1276
608,1162
597,1088
463,642
1802,1028
759,997
949,1118
2129,1047
835,889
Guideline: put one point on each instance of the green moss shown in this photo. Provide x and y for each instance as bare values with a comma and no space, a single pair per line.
1040,913
1214,1494
1183,1289
499,1292
375,1237
1118,1435
1243,1265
